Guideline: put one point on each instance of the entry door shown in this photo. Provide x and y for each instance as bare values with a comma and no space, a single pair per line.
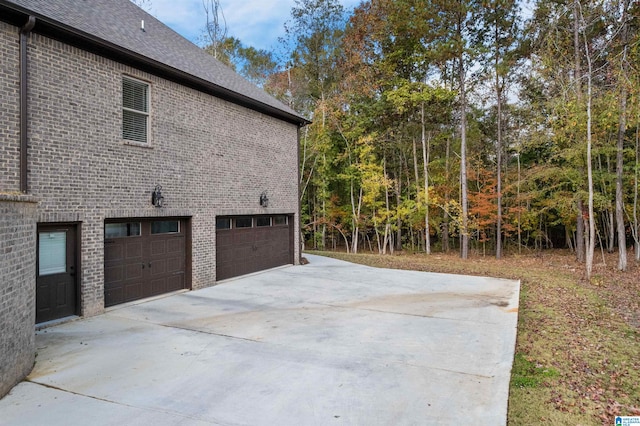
56,286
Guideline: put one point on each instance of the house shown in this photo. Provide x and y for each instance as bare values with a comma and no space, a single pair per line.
133,164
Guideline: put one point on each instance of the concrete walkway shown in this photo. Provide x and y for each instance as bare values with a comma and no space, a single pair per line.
322,344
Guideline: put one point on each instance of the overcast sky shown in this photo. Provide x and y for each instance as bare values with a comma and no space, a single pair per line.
256,23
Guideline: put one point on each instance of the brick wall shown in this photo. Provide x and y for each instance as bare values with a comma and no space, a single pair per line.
211,157
9,109
17,288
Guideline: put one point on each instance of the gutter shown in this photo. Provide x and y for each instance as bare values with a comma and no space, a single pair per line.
62,32
24,139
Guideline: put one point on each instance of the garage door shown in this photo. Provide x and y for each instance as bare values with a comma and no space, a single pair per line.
246,244
143,258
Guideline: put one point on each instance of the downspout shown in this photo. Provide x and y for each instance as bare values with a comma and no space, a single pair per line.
24,140
299,228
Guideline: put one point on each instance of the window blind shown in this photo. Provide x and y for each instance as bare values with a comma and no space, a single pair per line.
135,110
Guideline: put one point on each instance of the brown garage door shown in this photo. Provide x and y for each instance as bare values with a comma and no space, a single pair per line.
246,244
143,258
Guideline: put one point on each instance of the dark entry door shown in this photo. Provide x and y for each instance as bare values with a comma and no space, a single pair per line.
56,286
143,258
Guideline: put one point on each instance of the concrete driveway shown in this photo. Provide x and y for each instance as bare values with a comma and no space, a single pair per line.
322,344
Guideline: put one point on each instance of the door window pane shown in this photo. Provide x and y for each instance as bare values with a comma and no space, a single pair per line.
223,223
165,226
244,222
279,220
52,253
116,230
263,221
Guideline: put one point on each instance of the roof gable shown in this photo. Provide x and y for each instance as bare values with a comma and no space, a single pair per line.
117,25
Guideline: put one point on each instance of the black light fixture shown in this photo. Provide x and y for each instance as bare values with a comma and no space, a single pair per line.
156,197
264,200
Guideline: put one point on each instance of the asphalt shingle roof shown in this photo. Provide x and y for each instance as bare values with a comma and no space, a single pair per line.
118,22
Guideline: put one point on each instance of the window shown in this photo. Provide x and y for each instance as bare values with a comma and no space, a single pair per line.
165,226
223,223
263,221
52,249
279,220
117,230
244,222
135,110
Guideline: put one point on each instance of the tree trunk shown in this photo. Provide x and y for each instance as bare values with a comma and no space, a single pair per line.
355,211
387,225
580,226
445,222
611,228
622,127
324,204
636,222
592,221
415,167
375,228
464,247
498,157
398,242
425,166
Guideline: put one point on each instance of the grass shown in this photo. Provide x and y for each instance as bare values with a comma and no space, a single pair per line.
527,374
577,357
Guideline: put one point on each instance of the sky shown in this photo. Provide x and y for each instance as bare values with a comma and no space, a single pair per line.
256,23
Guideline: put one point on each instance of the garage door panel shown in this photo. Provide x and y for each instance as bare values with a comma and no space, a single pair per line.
174,264
113,273
113,252
224,255
242,253
175,245
224,238
159,286
134,249
158,247
175,282
244,236
133,271
133,291
113,294
158,267
224,271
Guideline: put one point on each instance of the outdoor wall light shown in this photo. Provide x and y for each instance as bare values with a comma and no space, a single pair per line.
156,197
264,200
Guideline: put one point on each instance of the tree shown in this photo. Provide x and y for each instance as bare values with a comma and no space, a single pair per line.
313,46
499,33
216,27
623,78
464,55
146,5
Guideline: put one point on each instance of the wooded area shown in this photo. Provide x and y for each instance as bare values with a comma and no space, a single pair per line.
463,125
